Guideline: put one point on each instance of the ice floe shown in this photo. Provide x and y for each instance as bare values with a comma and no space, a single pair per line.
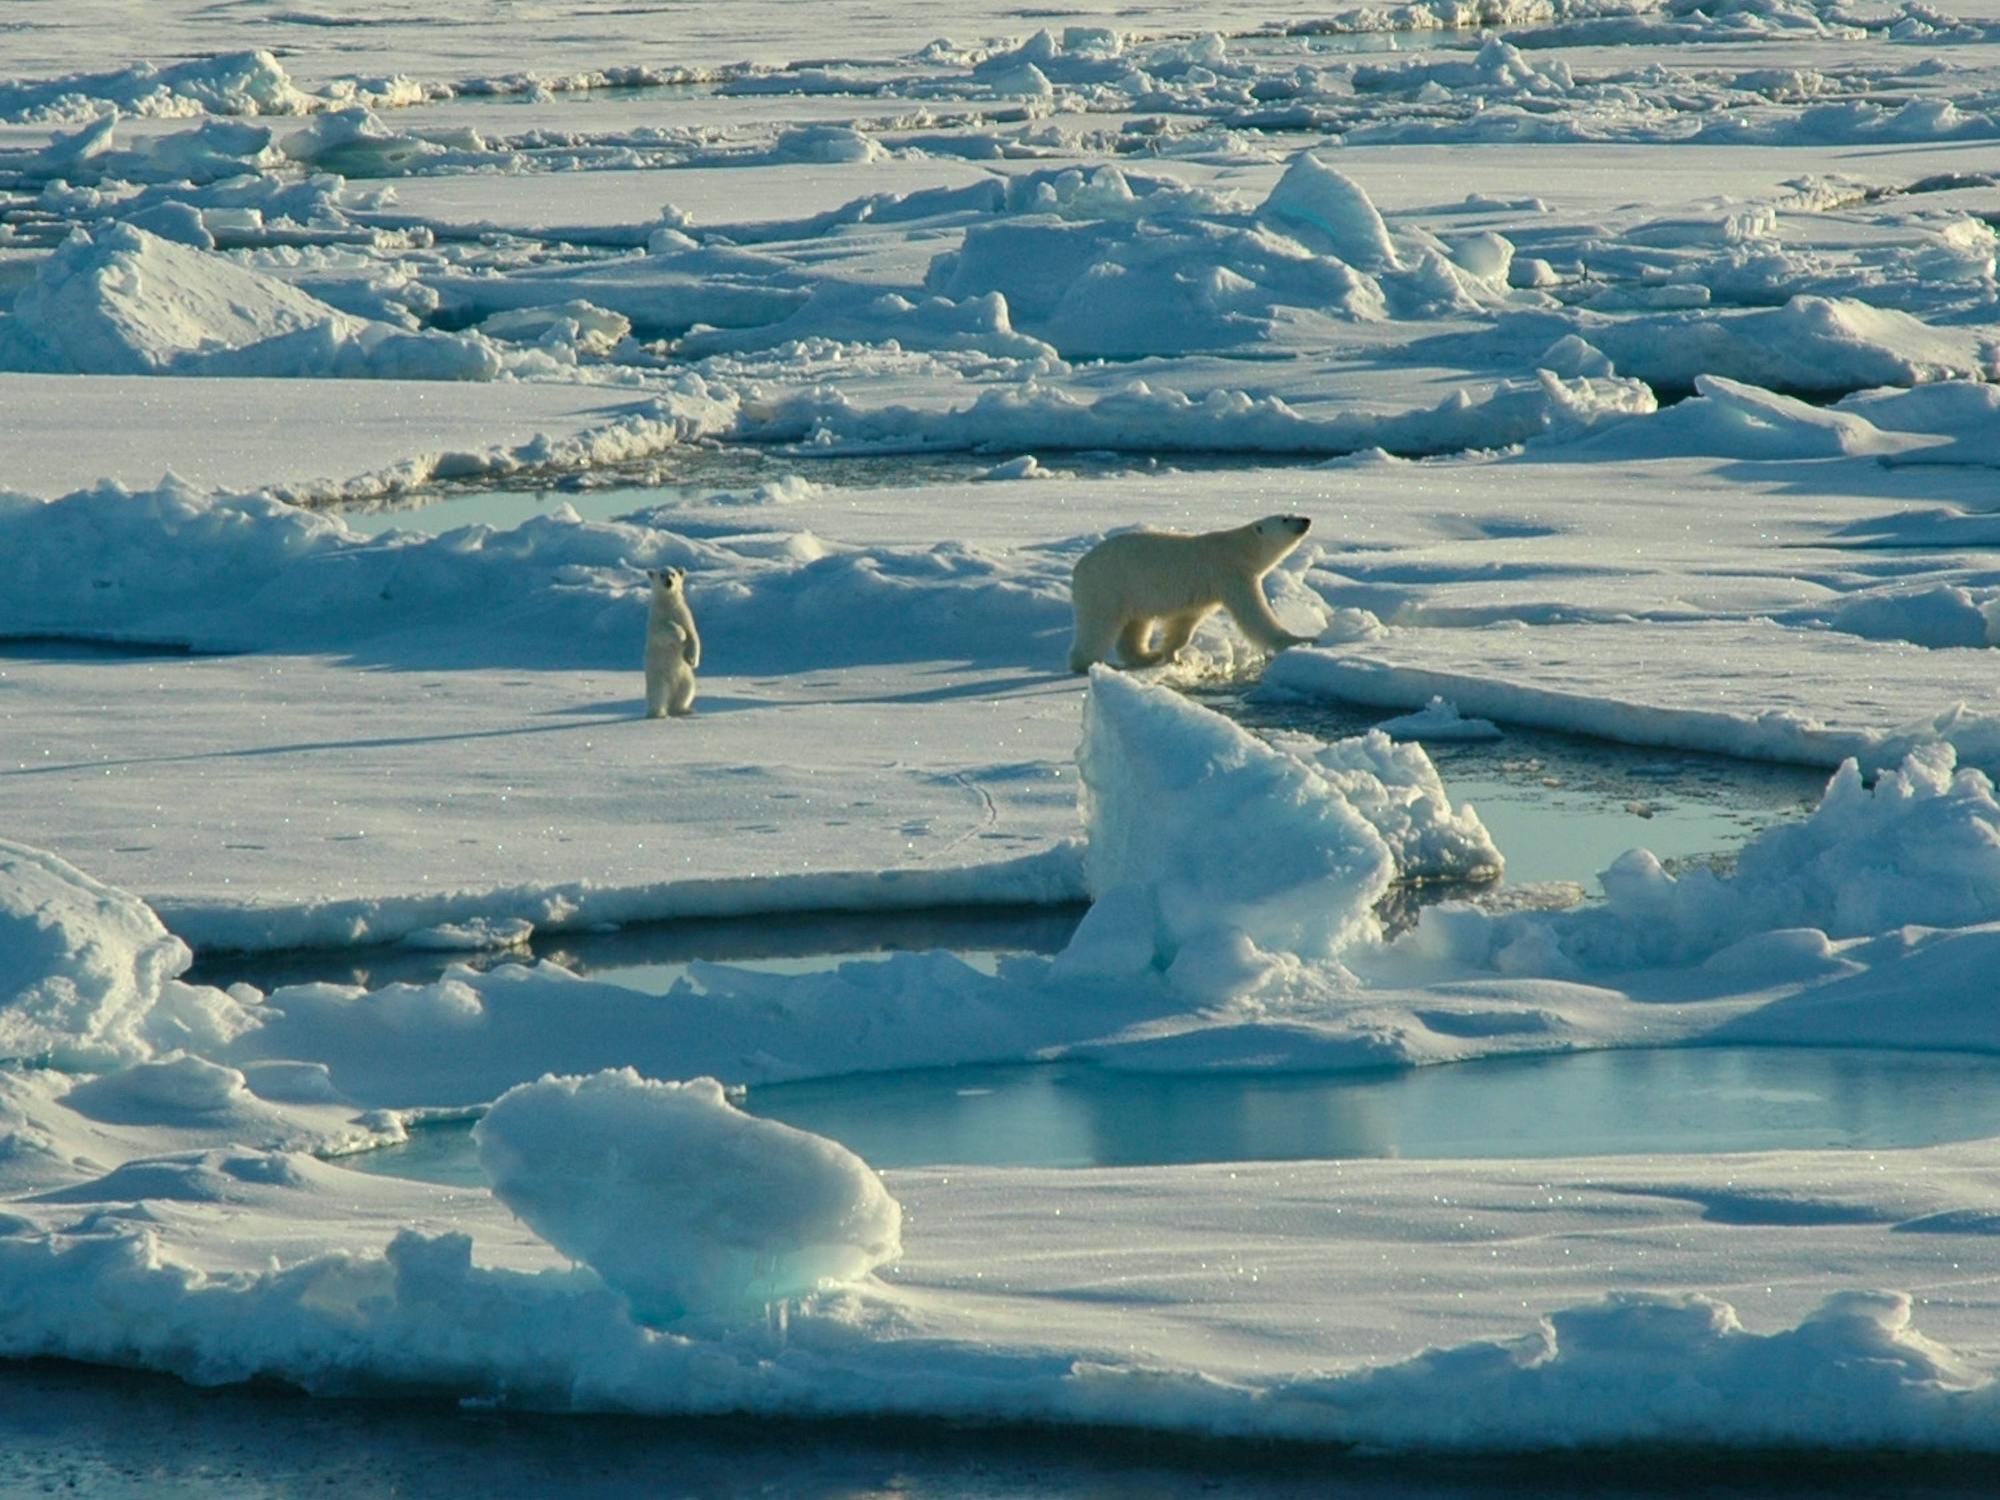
1653,349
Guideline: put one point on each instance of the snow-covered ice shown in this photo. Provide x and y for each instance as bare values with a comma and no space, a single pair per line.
1637,366
680,1201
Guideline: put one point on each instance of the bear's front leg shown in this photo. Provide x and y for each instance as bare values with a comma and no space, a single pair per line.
1245,602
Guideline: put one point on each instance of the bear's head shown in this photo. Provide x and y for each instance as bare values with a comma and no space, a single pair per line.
1282,528
666,580
1274,536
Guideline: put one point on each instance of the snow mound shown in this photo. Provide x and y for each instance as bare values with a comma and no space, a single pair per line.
126,302
1964,414
1146,418
237,83
682,1203
1941,616
1730,419
82,966
1204,840
1648,1368
172,1087
175,565
218,1175
1809,344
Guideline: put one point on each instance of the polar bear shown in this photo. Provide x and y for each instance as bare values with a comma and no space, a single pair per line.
673,646
1126,583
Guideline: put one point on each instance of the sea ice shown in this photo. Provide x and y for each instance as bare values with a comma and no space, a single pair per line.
685,1205
836,248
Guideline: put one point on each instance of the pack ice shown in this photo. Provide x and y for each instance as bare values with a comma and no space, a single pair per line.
1635,364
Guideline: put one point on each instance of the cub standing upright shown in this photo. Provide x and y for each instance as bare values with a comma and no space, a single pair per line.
673,646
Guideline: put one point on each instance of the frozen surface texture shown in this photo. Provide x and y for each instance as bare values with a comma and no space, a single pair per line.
1636,366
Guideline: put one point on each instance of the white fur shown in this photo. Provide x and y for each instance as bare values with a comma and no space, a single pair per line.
1128,583
673,646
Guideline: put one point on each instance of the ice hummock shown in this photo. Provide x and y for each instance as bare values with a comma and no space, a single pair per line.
123,301
89,977
685,1205
1198,830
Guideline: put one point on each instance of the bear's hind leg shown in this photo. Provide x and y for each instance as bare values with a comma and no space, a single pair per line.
1132,648
1177,631
681,702
1095,633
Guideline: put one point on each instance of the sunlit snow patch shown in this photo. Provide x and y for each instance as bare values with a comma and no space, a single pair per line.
677,1199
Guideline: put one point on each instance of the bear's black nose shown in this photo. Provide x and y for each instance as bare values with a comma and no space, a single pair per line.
1300,524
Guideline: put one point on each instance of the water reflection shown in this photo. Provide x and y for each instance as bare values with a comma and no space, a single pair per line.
648,956
1683,1101
1676,1101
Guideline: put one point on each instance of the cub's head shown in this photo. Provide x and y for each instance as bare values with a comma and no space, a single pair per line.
666,580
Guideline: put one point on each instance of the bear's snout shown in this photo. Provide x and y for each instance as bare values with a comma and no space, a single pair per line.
1300,524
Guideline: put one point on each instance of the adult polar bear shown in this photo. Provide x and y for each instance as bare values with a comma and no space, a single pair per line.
1134,580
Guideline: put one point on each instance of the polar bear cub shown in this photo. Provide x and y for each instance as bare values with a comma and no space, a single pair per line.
1130,582
673,646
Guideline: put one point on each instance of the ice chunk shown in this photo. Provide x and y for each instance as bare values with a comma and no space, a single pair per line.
1398,790
1327,211
827,143
237,83
682,1203
1488,256
473,935
354,143
1574,357
587,328
81,964
1439,720
125,302
1220,832
1024,467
